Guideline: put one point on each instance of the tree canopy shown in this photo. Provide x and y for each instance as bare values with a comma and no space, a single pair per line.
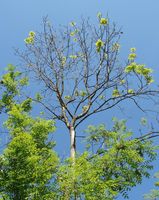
80,75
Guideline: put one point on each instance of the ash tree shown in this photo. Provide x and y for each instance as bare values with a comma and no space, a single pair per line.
80,75
79,69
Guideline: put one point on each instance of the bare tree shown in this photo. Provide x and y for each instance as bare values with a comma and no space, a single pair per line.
80,72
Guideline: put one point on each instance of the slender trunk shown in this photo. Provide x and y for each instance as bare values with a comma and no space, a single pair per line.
73,154
72,143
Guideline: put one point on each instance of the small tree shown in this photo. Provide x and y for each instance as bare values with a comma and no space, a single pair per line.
28,163
80,72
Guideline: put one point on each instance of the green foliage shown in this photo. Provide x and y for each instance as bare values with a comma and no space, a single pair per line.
118,164
72,24
130,91
115,93
99,44
154,193
26,168
139,69
143,121
29,167
103,21
67,97
11,83
73,56
116,47
83,93
63,61
30,38
113,161
38,97
28,163
132,56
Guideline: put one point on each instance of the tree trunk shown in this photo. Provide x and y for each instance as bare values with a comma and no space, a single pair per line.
73,154
73,143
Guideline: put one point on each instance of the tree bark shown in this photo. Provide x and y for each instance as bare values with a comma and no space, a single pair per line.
72,143
73,154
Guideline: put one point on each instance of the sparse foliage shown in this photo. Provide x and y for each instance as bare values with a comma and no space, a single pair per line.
80,72
80,75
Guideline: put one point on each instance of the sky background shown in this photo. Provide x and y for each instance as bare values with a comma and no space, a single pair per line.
139,20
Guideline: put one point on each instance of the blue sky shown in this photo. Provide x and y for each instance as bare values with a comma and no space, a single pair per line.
138,19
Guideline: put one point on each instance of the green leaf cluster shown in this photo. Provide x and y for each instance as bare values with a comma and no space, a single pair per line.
99,44
119,164
28,163
30,38
115,93
11,83
140,70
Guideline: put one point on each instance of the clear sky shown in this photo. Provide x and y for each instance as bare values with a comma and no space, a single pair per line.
138,19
